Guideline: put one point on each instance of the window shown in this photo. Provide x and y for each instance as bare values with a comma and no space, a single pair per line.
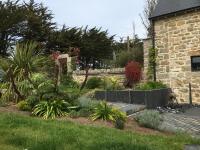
195,60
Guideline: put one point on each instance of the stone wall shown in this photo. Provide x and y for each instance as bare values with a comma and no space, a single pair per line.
147,43
177,38
79,76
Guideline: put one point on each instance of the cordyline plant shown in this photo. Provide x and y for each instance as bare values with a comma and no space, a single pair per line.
24,61
133,73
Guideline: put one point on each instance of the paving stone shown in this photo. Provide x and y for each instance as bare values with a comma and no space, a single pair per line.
179,122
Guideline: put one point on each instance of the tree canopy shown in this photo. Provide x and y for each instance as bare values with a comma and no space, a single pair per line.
32,21
23,22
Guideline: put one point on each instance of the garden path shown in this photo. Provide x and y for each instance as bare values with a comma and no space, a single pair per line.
188,122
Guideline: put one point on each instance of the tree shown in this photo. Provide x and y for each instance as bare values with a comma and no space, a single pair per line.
147,13
62,40
23,22
12,18
135,53
96,45
38,22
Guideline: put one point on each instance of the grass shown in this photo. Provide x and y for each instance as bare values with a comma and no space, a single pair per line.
20,133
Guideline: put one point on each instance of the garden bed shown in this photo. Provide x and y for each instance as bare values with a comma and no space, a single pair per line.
131,124
151,98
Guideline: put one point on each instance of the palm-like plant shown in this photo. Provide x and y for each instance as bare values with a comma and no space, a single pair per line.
108,113
25,60
103,111
51,109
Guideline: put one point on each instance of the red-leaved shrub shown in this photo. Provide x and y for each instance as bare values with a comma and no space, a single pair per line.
133,73
55,55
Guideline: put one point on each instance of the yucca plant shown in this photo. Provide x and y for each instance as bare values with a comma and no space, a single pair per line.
103,111
51,109
27,59
106,112
24,60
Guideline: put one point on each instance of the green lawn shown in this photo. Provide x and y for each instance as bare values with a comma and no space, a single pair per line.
20,133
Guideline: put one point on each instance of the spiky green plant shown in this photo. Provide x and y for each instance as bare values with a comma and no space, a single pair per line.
23,62
103,111
51,109
27,59
106,112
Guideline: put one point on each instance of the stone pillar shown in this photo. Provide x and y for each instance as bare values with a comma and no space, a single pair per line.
147,44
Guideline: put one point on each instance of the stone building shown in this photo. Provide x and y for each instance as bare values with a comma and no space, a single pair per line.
177,38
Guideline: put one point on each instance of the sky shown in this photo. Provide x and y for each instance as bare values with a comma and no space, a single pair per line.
115,15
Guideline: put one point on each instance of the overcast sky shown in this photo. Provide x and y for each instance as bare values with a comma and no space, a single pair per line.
115,15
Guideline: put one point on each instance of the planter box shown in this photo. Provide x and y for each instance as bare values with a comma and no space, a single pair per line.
157,98
152,99
113,96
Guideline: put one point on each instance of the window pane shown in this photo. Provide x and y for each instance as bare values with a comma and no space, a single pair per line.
195,60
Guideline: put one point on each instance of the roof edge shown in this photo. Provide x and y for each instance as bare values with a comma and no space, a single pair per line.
173,13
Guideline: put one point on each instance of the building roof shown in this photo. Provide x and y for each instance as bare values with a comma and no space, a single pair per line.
165,7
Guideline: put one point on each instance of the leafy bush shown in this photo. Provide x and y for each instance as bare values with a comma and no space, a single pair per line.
51,109
74,114
25,87
120,118
68,82
150,119
2,74
24,106
85,112
123,58
151,86
119,124
32,100
7,93
111,83
46,87
87,103
87,106
42,84
118,114
39,78
90,94
133,73
94,82
105,112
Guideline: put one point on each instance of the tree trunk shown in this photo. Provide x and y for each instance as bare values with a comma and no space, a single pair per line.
86,77
14,86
